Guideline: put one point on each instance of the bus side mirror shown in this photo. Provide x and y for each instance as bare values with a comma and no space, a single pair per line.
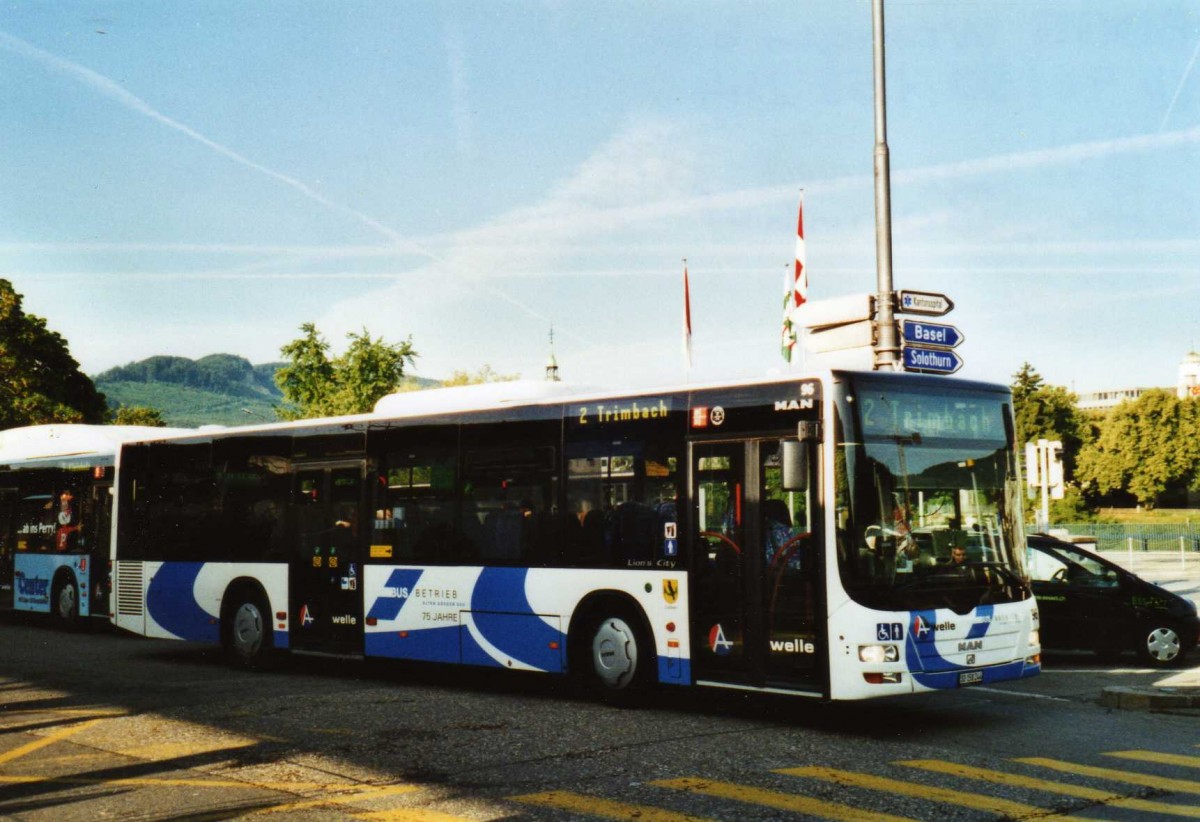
795,465
796,455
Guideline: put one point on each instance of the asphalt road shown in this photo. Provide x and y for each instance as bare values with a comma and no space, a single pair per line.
104,725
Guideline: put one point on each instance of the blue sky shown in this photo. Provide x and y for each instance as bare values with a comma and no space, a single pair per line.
193,178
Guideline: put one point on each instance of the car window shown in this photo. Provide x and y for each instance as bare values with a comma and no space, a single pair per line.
1066,565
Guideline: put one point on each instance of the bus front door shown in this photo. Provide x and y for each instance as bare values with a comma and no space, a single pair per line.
755,588
326,601
8,545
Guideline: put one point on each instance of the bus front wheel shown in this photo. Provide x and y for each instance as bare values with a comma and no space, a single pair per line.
248,634
616,663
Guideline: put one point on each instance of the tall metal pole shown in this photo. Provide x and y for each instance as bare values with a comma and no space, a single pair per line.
887,344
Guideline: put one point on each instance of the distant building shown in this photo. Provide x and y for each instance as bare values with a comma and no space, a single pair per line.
1189,376
1188,385
1109,398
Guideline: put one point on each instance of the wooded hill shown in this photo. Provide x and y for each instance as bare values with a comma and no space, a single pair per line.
220,389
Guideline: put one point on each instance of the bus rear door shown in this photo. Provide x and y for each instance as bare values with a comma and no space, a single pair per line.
326,600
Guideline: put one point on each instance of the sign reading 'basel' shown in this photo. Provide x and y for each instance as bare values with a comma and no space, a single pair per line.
925,333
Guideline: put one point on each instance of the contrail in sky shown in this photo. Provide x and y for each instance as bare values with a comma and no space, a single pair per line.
1182,81
114,91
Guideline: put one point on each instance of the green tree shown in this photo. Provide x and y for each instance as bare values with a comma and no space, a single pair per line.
40,382
1145,447
1048,412
484,374
139,415
317,386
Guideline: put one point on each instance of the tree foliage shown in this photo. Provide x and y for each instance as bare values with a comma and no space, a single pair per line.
484,374
1146,447
40,382
317,386
1048,412
139,415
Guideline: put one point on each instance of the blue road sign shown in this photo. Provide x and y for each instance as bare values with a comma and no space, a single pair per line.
931,360
923,333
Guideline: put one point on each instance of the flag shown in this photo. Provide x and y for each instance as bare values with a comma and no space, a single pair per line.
795,289
687,319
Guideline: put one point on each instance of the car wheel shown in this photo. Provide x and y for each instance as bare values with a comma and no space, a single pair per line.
1160,645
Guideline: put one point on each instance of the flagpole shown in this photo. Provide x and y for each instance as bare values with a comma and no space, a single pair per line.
687,326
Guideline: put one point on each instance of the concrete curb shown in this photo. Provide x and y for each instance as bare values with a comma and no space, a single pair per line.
1149,699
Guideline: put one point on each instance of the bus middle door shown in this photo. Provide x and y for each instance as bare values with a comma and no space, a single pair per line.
326,570
726,607
755,592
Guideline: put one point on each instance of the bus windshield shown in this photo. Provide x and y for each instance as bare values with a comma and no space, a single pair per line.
928,505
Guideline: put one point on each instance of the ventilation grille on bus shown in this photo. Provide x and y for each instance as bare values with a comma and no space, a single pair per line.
129,588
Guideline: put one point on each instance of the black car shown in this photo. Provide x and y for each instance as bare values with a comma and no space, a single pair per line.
1089,603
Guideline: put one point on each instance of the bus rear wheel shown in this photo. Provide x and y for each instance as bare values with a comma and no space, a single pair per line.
247,635
66,603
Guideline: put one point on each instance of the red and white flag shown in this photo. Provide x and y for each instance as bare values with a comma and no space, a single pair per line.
687,319
795,290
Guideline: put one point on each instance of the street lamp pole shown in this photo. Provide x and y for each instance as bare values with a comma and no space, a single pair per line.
887,346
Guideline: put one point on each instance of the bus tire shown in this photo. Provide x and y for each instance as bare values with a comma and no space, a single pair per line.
1160,645
64,602
613,656
246,630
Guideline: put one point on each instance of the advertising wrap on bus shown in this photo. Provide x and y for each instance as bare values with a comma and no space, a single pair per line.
34,575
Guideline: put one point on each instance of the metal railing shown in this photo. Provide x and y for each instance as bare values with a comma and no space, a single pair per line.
1132,537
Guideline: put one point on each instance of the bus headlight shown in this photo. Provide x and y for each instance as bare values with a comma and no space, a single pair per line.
1035,637
878,653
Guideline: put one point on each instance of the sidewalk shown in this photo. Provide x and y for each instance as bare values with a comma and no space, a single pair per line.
1178,691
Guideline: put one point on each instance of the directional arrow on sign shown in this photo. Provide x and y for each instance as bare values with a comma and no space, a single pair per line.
920,332
929,303
931,360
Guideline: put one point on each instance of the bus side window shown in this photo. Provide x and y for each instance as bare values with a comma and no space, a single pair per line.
509,493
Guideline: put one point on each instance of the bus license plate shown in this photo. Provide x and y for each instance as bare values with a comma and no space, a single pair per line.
970,678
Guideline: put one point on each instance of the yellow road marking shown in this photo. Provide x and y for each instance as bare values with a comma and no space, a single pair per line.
180,750
281,787
1106,798
36,745
607,808
1003,807
1160,758
341,798
1145,780
777,799
76,712
410,815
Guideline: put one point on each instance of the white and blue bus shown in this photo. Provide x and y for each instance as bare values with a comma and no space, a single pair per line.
788,536
55,517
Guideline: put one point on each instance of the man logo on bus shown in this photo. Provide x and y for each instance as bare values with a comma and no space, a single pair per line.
306,618
717,641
